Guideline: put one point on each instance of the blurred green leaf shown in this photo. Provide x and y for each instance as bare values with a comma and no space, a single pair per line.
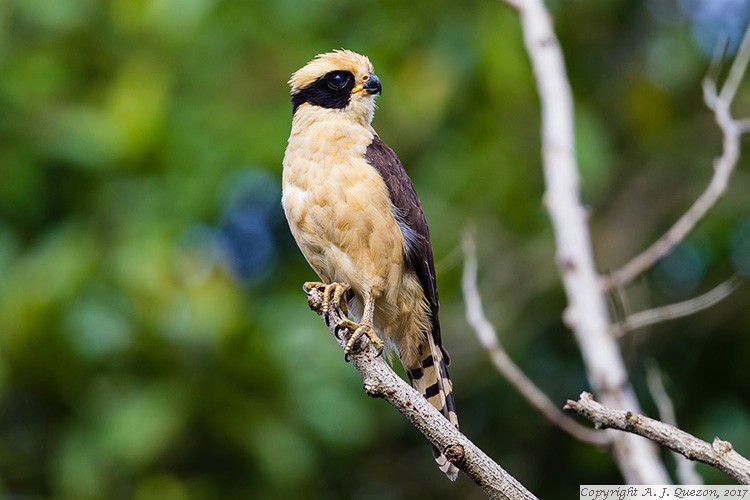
135,425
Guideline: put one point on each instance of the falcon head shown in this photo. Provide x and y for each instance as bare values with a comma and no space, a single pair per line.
339,80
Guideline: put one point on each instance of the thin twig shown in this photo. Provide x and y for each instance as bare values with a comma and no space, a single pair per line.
678,310
686,473
719,454
587,313
488,337
737,70
720,103
379,380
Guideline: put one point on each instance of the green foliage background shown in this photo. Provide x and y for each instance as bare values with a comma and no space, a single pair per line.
154,341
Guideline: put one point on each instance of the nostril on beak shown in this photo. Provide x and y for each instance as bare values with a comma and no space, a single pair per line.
372,84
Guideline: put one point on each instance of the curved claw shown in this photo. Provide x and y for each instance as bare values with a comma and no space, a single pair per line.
339,310
347,356
307,286
337,331
359,330
380,351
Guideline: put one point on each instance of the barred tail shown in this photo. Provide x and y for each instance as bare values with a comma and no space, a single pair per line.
430,377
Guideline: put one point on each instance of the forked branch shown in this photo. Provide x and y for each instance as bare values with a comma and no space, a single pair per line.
504,363
719,454
720,102
587,313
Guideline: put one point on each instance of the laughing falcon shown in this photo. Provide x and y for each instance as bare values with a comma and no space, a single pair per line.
357,219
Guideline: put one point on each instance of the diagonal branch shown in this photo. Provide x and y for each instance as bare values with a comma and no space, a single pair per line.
380,381
488,338
720,103
678,310
719,454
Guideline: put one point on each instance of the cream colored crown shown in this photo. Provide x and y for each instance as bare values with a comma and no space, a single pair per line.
338,60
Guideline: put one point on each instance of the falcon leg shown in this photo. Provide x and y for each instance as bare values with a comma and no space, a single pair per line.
363,328
333,293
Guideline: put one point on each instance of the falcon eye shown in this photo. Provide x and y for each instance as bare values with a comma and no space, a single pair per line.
339,79
331,90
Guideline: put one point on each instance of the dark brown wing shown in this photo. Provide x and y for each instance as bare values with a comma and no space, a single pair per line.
409,214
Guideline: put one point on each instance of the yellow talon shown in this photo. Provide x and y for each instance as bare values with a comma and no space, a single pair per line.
358,330
332,294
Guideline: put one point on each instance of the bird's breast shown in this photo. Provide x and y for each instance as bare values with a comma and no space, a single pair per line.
339,209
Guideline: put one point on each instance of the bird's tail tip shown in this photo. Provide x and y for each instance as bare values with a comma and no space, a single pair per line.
448,468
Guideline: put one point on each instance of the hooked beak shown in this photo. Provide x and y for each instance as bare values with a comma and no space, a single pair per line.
369,83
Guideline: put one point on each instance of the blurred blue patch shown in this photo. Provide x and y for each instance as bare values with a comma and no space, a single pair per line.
245,233
716,20
679,273
739,249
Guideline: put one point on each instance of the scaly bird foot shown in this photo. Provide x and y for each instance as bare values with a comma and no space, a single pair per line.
332,294
358,330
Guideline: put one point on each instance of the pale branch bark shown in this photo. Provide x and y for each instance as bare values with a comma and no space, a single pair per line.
379,380
488,337
656,315
587,313
720,103
685,469
719,454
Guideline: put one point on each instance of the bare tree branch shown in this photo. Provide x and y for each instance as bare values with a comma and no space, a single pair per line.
379,380
587,309
736,71
720,103
719,454
686,473
489,339
673,311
